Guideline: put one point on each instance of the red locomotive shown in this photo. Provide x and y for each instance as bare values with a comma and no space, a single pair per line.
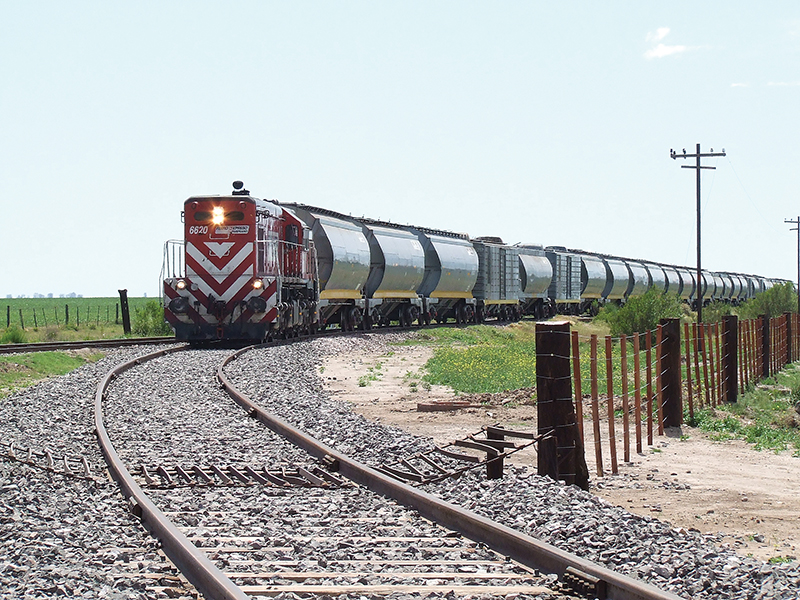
247,267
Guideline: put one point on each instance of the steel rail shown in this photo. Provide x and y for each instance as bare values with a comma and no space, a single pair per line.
49,346
193,563
519,546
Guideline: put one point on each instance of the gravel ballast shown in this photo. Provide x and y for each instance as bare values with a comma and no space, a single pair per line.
681,561
69,537
62,536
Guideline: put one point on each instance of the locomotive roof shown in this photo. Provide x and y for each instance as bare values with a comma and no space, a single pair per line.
270,206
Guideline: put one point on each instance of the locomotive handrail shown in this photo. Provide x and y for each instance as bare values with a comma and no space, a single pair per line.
195,565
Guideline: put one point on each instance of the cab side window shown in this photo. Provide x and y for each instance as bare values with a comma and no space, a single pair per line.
292,234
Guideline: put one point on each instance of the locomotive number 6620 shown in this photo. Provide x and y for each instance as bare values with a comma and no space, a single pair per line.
198,229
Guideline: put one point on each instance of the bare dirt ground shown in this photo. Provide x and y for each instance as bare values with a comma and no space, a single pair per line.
751,498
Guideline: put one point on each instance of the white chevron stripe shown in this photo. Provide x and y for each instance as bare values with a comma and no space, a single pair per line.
237,284
212,270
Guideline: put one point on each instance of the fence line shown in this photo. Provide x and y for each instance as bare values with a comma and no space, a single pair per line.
714,364
37,316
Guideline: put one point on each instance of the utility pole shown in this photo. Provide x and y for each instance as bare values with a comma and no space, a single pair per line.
698,156
797,229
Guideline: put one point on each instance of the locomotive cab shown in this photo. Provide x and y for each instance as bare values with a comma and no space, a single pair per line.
245,269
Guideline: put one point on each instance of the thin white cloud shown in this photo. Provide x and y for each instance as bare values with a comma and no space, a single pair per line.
659,35
740,85
661,50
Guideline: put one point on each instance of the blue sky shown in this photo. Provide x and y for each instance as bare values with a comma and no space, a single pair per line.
545,122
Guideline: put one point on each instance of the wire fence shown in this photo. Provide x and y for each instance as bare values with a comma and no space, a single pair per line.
635,386
44,313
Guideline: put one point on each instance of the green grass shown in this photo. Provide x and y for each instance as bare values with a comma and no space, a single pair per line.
764,416
44,319
480,358
485,358
373,374
23,370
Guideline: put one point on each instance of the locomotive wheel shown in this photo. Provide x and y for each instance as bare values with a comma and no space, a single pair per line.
412,314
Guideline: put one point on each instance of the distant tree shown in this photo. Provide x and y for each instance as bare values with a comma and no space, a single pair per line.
775,301
641,313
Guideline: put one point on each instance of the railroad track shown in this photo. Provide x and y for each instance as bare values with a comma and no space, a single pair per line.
378,547
54,346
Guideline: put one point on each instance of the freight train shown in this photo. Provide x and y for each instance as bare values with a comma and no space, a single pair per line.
255,269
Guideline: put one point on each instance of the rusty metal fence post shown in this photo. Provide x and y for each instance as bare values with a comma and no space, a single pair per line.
789,331
730,358
670,369
563,457
765,347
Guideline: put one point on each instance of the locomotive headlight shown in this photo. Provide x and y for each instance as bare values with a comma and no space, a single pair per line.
258,284
181,285
218,215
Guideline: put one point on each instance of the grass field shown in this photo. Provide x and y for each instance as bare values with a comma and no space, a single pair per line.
64,319
483,358
764,416
17,372
486,358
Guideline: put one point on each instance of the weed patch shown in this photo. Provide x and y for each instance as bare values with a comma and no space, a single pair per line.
24,370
